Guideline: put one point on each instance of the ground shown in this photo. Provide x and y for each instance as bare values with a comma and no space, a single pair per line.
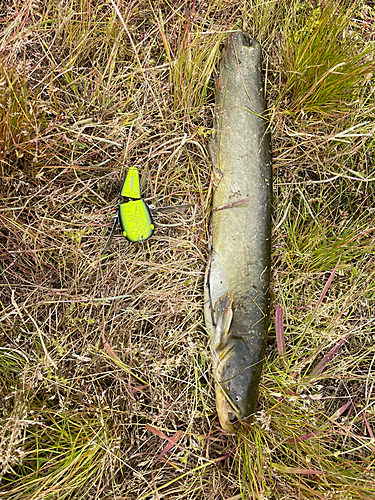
106,386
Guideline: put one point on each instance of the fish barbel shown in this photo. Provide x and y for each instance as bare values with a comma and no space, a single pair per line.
237,300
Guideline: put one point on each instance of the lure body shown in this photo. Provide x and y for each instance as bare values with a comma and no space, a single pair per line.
134,215
238,274
135,220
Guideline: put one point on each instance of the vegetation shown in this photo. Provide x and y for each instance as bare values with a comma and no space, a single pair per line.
106,388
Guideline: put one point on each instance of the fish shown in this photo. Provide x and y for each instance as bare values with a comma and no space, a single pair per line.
238,273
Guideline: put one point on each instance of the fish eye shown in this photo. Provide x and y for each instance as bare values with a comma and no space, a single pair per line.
237,398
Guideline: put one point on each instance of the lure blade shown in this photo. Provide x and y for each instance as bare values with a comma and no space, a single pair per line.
131,188
135,220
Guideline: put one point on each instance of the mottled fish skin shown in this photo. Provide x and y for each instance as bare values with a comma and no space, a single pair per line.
240,232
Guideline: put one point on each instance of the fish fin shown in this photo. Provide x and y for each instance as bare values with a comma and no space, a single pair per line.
223,317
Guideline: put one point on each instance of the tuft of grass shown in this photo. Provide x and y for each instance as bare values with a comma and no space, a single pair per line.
62,454
192,59
18,120
325,65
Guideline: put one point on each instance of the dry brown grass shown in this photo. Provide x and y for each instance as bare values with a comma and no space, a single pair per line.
104,359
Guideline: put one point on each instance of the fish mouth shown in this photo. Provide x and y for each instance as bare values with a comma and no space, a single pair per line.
227,412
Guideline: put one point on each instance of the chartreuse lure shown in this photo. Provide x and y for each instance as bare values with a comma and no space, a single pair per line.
134,215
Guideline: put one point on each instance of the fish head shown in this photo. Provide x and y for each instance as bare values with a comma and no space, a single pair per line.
236,369
235,398
230,398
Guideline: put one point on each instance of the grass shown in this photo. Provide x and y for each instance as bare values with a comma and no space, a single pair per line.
106,386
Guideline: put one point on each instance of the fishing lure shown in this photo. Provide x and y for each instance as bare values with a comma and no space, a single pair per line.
134,215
